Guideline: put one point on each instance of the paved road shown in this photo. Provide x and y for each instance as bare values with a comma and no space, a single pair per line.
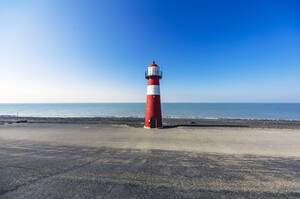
226,140
106,161
40,170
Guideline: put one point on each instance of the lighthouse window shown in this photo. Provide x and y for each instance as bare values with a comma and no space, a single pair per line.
153,71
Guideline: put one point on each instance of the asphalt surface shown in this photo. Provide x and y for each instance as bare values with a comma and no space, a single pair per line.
40,170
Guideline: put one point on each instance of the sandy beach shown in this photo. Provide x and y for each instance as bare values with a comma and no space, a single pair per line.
117,158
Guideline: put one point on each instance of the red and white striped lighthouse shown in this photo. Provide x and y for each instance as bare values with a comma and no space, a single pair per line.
153,107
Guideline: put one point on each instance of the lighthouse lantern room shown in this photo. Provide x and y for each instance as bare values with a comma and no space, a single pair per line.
153,117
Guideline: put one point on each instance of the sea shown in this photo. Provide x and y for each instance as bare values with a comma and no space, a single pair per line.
274,111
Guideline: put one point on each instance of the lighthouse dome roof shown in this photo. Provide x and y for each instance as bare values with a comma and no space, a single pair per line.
154,64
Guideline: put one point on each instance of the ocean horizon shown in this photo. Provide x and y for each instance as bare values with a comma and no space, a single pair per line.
270,111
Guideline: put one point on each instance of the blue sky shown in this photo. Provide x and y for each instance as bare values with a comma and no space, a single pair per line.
97,51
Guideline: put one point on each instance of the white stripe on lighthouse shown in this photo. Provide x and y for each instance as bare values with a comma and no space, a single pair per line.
153,90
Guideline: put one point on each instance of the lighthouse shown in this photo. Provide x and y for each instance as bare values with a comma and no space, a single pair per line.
153,117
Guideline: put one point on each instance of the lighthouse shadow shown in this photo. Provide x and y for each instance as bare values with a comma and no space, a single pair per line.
204,125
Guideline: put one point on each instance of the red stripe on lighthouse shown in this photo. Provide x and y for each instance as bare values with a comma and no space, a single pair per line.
153,81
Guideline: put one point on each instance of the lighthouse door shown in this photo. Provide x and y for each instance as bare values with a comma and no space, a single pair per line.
152,122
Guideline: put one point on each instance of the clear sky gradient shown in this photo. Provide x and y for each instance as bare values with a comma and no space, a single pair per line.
97,51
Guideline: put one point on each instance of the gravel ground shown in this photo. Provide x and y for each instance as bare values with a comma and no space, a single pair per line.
167,122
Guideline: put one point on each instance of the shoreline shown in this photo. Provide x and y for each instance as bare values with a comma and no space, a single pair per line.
167,122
